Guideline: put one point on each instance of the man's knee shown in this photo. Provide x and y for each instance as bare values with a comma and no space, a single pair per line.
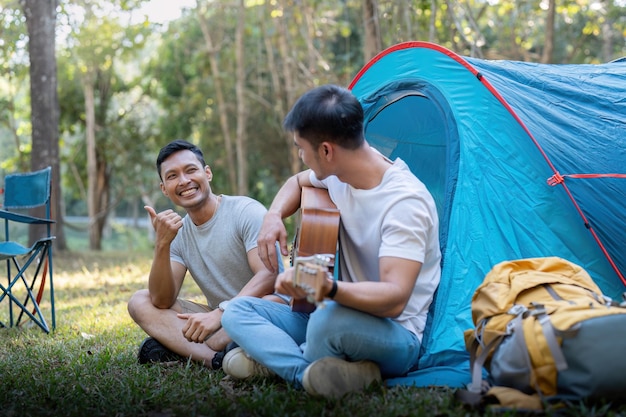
332,318
137,303
237,307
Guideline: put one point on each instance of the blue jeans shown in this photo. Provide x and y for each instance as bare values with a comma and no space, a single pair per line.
287,342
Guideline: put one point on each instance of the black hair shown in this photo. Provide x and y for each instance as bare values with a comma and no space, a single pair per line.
327,113
176,146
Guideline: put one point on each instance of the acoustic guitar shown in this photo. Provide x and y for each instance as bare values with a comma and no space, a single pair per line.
315,244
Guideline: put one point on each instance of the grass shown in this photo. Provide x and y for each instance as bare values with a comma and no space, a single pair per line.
88,367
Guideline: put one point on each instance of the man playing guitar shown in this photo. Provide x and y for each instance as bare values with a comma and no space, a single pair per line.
373,318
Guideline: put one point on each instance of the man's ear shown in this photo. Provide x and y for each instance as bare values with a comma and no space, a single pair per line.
209,173
163,190
326,150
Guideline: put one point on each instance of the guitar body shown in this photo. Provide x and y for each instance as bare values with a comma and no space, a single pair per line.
317,232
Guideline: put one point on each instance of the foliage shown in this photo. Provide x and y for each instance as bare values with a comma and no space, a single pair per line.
14,83
88,365
154,83
105,50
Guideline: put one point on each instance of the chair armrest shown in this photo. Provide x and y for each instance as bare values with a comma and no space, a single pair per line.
23,218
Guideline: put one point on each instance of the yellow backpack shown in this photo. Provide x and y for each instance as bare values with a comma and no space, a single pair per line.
544,333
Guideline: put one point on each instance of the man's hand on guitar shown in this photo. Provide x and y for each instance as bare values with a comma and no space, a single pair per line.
285,285
272,230
308,278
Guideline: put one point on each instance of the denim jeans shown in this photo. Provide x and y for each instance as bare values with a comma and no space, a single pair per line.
287,342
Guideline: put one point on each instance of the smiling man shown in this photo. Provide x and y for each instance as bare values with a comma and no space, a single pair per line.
216,241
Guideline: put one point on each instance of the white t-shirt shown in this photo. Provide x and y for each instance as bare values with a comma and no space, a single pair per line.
215,253
397,218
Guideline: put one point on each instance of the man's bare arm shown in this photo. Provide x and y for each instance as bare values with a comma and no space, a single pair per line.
385,298
165,277
262,282
285,203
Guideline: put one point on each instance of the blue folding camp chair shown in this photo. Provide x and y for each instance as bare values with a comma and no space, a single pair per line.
27,266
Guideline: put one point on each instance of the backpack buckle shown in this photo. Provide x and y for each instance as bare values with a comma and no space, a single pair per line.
517,309
537,309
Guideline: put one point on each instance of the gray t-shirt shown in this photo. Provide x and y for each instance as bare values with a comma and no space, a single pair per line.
215,253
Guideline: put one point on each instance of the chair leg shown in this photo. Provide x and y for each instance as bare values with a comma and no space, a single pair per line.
4,293
45,271
51,285
37,317
41,322
31,287
9,275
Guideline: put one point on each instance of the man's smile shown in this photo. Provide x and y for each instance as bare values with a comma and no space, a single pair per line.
188,191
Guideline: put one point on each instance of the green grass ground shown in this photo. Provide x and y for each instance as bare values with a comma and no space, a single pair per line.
88,366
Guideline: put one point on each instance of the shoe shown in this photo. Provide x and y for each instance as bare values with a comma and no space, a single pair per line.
218,358
334,377
152,351
239,365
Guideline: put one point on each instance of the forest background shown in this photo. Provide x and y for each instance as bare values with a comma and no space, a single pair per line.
94,88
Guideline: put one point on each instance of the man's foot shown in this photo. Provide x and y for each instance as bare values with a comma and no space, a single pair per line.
333,377
239,365
218,358
152,351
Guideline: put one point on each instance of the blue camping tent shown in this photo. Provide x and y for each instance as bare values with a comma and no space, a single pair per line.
506,149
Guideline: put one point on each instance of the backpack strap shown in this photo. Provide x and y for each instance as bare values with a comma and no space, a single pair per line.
478,388
477,362
479,391
549,333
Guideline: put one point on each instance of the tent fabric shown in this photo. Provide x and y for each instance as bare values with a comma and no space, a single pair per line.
497,142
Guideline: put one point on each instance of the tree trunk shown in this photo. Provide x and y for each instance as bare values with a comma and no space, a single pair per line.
92,168
372,43
548,47
219,96
242,108
432,28
289,70
41,23
277,86
101,202
606,30
308,33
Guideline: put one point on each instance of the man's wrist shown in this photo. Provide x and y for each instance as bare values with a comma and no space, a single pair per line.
223,305
333,291
275,212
